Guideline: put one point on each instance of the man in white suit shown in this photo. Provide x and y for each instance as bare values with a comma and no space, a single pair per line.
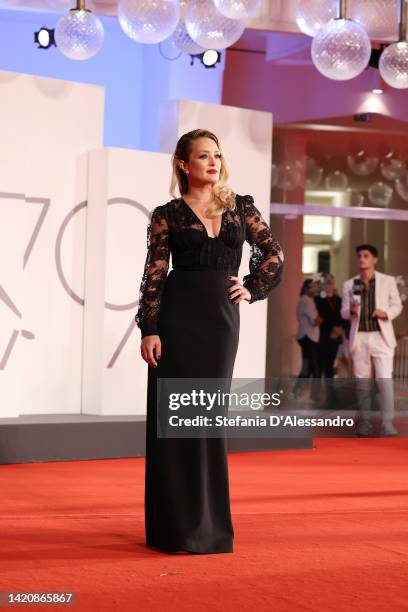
371,300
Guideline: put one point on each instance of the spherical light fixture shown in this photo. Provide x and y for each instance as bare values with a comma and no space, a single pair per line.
392,168
380,194
148,22
237,9
310,16
393,64
356,198
336,181
341,48
79,34
289,175
208,28
183,41
362,164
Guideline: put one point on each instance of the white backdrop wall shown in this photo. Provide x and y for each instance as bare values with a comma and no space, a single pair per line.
123,186
45,124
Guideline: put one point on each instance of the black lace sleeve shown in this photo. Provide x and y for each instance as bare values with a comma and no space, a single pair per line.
155,272
266,259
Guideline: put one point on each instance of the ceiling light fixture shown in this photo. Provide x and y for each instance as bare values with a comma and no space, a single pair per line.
208,58
44,38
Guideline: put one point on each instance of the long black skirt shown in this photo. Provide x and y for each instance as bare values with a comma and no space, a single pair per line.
187,503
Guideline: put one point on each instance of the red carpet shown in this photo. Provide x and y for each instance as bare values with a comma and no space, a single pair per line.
315,530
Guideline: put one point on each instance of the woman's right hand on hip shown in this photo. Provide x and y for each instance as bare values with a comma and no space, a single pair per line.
150,349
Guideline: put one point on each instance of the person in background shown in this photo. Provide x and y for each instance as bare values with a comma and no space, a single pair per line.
371,301
308,332
331,328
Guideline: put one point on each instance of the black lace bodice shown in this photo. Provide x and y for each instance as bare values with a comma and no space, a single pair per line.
175,229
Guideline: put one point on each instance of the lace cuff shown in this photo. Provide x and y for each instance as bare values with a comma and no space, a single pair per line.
266,259
155,272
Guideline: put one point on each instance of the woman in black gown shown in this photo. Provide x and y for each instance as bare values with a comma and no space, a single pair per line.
189,320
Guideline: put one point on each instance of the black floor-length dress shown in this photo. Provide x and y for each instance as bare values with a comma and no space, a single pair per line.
187,505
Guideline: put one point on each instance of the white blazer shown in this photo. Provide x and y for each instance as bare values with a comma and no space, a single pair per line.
387,298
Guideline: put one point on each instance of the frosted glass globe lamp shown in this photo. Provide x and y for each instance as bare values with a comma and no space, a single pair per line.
310,16
79,34
147,21
237,9
209,28
341,49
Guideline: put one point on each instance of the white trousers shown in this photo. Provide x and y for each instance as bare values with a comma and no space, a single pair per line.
371,355
371,351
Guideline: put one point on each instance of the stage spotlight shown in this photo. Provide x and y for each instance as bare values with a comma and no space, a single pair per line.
211,57
44,38
208,58
378,91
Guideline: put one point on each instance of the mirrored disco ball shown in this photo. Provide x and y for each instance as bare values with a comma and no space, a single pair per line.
310,16
79,34
401,185
237,9
183,41
336,181
361,164
379,18
391,168
314,174
148,22
393,65
289,175
208,28
380,194
341,49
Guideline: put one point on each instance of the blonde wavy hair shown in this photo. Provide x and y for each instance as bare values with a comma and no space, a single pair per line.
224,196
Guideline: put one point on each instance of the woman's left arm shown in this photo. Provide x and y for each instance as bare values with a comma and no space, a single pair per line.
266,259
